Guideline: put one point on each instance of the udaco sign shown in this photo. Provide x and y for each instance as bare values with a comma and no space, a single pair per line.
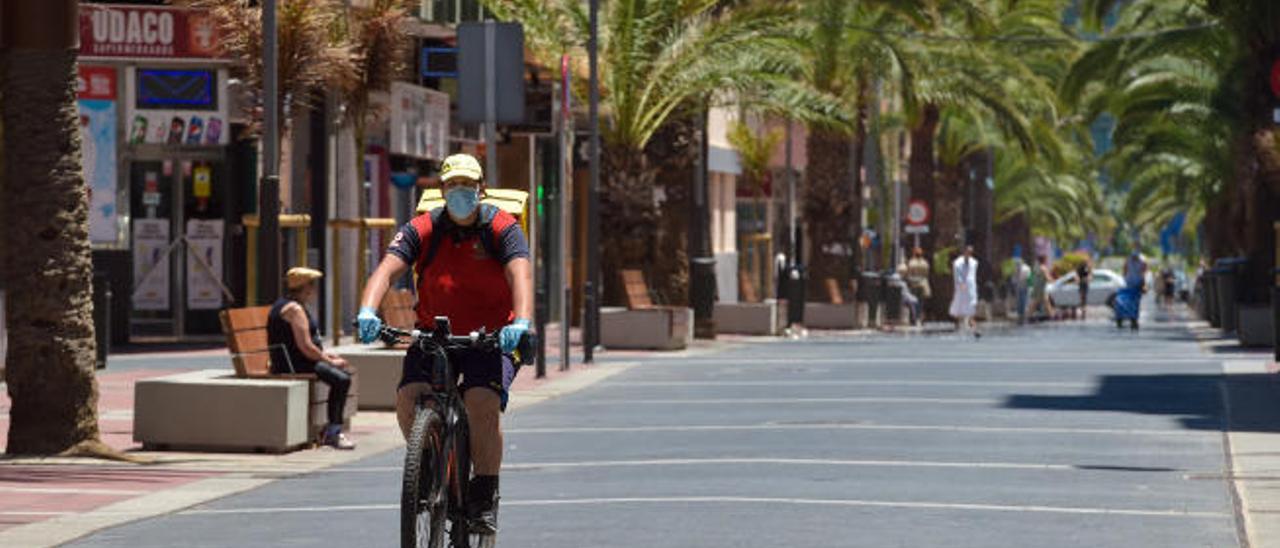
146,32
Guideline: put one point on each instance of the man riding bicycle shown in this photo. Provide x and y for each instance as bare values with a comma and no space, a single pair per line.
471,262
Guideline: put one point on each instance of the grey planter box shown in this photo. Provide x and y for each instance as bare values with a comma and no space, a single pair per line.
831,316
211,409
658,328
1255,326
748,318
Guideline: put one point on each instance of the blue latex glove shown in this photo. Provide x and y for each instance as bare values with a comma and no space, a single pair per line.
509,337
369,324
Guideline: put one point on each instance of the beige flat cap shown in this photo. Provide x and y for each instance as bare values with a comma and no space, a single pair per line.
299,276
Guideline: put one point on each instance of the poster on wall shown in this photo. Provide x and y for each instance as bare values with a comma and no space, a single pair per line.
419,121
150,264
96,92
204,264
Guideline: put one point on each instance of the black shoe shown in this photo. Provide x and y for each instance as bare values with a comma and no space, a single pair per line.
485,522
482,505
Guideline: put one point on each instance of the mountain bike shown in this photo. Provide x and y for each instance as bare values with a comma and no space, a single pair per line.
437,463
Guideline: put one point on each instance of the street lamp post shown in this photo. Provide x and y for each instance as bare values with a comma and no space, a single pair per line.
269,189
591,299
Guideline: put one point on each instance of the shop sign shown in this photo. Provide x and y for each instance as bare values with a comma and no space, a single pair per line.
96,87
148,32
151,264
204,264
419,121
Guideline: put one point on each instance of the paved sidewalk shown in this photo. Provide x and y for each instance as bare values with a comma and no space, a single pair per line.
48,501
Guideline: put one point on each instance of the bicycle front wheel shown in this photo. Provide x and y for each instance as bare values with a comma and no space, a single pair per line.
423,501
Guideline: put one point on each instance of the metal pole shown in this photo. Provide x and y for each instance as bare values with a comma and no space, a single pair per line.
791,202
565,194
591,324
269,189
702,262
490,106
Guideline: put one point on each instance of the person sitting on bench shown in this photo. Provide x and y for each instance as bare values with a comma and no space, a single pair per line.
295,345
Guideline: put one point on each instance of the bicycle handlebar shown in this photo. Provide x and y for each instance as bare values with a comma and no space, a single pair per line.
478,340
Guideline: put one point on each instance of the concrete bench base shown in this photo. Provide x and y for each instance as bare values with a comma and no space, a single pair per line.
212,409
748,318
830,316
379,369
663,328
1256,325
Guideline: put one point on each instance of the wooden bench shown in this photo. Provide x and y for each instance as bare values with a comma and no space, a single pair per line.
643,324
246,332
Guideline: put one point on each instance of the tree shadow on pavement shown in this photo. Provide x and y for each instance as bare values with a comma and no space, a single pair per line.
1244,402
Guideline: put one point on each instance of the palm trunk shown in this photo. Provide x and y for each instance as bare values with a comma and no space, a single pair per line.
1261,192
921,177
47,269
828,211
673,152
626,230
948,228
858,173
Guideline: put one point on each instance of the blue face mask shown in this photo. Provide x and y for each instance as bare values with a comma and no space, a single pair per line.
462,201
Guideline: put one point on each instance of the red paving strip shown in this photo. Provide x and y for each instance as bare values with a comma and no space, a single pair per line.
31,493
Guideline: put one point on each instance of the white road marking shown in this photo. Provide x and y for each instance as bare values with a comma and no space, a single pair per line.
745,460
71,491
922,360
914,505
852,382
21,513
841,426
789,462
748,401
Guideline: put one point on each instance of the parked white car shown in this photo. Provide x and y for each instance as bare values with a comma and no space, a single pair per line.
1065,291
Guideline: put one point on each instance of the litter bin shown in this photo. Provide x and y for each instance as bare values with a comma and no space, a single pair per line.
1211,298
793,284
102,317
891,293
1229,272
869,292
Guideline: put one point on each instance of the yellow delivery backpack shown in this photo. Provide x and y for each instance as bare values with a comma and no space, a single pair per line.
515,202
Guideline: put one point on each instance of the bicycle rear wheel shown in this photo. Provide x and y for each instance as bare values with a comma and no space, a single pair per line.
461,447
424,503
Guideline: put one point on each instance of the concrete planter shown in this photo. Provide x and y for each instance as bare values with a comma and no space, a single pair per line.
658,328
380,369
212,409
748,318
1256,325
830,316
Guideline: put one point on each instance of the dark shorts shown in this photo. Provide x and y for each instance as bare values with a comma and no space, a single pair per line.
477,369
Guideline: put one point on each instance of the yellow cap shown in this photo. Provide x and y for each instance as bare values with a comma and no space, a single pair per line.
461,165
299,276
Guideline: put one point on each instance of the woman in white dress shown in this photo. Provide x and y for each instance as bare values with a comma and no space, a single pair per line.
964,302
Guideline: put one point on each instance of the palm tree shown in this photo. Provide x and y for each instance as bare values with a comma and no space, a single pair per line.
662,63
848,47
1226,48
374,33
313,54
45,244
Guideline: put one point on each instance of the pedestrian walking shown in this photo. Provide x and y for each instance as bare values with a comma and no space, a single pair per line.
917,275
1084,275
964,301
1021,287
1128,302
1040,278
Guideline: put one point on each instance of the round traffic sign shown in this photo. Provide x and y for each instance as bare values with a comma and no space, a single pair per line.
917,212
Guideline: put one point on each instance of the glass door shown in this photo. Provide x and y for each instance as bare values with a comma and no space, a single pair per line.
153,195
204,261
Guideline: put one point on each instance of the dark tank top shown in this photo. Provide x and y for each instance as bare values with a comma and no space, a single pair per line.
280,333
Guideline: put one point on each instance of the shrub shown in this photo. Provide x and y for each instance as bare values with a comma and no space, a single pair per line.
1068,263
